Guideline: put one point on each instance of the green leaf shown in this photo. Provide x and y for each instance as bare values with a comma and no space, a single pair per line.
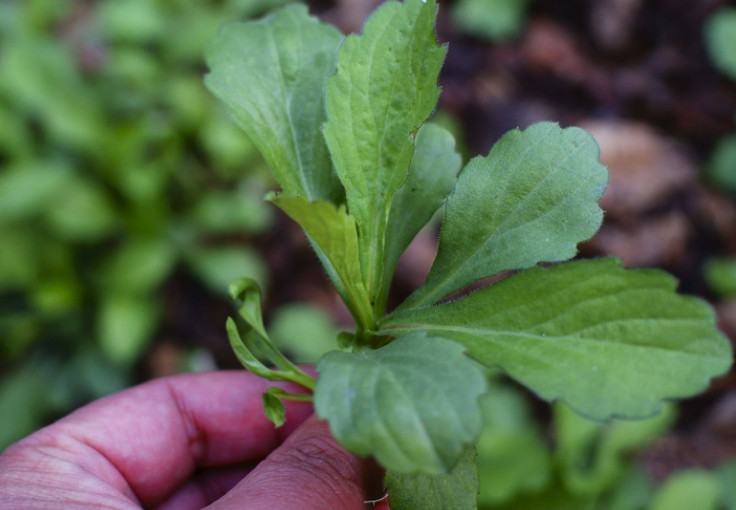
720,39
553,497
233,211
512,453
432,174
592,455
633,490
385,87
125,325
29,189
305,332
274,408
531,200
244,354
333,233
217,266
726,476
413,404
456,489
721,168
270,74
82,212
720,273
496,20
139,266
605,340
247,291
694,489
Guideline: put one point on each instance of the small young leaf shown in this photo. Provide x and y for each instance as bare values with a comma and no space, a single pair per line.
246,290
385,87
456,489
246,358
605,340
275,93
273,404
432,174
335,238
531,200
413,404
274,408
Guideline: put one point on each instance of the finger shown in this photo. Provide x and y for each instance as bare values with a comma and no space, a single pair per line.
147,440
205,487
309,471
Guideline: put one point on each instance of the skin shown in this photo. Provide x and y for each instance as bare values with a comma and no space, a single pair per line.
185,442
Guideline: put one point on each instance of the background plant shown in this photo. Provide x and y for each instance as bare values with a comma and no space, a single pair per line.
720,37
117,173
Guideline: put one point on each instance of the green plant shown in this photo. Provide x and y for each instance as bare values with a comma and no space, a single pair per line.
585,464
341,121
495,20
720,39
107,142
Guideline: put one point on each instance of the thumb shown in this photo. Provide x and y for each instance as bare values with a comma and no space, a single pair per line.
309,471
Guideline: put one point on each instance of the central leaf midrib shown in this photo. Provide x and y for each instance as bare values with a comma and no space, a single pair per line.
487,334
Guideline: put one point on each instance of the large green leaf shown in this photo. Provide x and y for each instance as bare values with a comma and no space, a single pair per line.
385,87
531,200
413,404
432,174
270,74
333,233
457,489
605,340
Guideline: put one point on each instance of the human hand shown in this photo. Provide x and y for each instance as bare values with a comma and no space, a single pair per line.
182,443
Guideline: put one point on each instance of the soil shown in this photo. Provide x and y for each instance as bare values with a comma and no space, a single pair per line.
635,74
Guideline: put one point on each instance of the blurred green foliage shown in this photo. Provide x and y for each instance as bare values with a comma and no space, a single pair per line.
720,41
720,273
495,20
581,464
117,168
